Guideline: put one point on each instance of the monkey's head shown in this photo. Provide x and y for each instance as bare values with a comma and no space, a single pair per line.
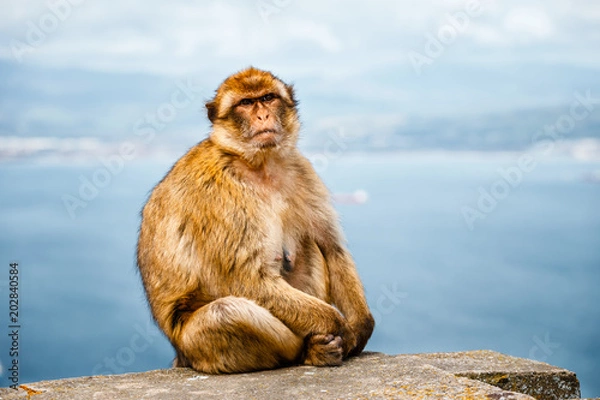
253,113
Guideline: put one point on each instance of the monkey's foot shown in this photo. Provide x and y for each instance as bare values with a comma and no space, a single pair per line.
322,350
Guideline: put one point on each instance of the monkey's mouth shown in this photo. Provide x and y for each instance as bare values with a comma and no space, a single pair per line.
265,132
266,138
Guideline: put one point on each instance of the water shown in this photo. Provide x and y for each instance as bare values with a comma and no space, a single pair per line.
523,281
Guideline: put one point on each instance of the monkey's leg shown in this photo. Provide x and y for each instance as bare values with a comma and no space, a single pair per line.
233,334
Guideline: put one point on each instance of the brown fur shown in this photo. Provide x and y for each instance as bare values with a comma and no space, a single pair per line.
240,252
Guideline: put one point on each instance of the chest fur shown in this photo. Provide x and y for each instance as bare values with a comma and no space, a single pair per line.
292,246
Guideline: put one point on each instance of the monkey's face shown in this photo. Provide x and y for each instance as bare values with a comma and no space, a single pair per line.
259,119
254,110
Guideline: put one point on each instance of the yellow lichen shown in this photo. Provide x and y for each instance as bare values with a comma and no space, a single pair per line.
30,391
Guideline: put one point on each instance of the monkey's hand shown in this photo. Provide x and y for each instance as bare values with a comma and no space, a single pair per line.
323,350
331,347
341,328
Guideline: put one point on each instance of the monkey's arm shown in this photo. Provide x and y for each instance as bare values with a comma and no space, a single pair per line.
347,294
303,314
345,287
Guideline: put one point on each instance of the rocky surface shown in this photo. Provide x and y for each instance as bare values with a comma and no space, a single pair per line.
466,375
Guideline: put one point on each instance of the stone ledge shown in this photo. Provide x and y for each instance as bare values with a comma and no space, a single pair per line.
466,375
537,379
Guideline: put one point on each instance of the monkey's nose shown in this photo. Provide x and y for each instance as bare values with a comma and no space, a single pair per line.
262,117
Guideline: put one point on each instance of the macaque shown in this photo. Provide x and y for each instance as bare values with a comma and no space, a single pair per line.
240,252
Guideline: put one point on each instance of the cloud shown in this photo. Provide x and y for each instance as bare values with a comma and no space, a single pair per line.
88,68
91,150
357,125
154,37
529,21
13,146
515,27
182,37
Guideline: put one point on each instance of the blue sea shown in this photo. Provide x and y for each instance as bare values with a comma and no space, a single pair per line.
520,275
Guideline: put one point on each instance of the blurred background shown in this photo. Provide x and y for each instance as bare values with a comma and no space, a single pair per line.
461,141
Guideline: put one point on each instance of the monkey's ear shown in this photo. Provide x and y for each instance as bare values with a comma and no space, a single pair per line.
211,109
290,92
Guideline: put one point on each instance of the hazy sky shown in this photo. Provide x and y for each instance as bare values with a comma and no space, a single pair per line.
88,68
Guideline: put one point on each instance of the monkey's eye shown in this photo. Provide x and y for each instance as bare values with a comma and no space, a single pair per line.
246,102
267,97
